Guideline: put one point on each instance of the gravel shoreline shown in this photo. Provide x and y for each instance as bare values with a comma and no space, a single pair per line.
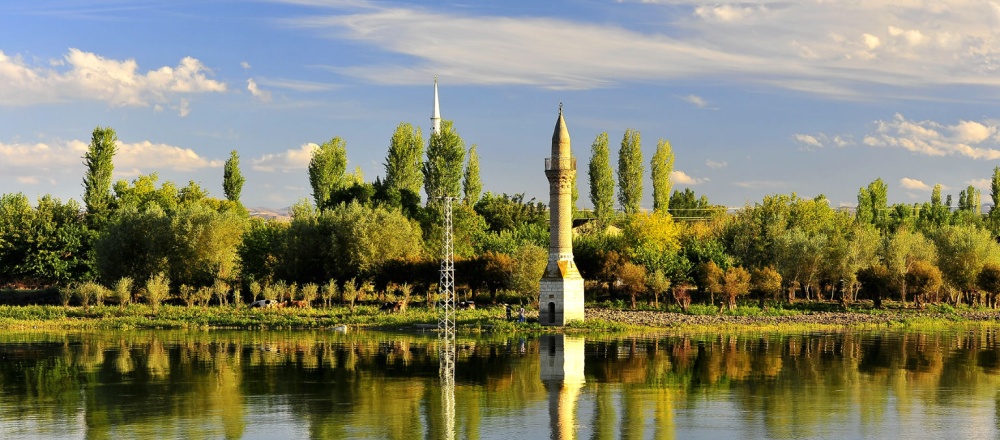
671,319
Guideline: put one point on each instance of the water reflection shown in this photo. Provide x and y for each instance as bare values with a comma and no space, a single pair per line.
561,361
375,385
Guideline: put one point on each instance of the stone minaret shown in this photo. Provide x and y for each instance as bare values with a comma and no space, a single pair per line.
436,116
561,296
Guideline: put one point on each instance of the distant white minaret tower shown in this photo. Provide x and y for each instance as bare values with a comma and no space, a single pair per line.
560,298
436,116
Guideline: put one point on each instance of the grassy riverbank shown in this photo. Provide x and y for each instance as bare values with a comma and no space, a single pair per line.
604,318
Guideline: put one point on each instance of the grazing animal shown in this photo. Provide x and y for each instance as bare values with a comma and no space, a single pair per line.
297,304
466,305
264,304
391,306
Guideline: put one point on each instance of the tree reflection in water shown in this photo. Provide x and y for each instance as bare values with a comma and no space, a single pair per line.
269,384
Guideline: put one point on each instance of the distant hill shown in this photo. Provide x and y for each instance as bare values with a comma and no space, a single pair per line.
269,213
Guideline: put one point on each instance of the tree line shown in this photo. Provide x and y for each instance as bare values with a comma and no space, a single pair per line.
152,241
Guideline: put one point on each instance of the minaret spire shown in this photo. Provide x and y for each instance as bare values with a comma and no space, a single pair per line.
561,293
436,116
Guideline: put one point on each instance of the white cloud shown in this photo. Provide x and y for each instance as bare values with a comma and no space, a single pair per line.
184,108
832,47
87,76
696,100
245,65
914,184
808,141
289,160
716,164
967,138
981,184
822,140
148,157
61,160
262,95
682,178
727,13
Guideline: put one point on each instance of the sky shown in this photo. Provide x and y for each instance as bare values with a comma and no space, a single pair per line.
756,98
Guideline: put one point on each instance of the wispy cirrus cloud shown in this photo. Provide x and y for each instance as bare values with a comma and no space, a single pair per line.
716,164
835,47
696,101
81,75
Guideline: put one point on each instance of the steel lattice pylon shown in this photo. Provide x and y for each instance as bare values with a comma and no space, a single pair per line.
446,324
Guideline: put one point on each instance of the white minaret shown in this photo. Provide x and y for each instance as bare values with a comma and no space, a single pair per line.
436,116
560,298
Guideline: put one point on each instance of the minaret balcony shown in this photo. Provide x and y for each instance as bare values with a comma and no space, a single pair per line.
560,164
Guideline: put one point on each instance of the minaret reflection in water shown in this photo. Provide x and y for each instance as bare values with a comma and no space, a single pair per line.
561,358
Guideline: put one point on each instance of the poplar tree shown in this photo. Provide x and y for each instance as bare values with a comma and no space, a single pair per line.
602,184
404,159
661,166
326,170
99,161
472,184
232,178
994,189
873,204
443,167
630,172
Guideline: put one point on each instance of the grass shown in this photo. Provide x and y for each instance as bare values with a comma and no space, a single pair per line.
141,316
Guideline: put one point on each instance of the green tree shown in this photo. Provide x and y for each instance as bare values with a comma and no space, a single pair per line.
651,239
994,189
44,245
633,279
736,283
326,170
661,167
157,290
873,205
443,167
630,172
657,283
232,178
527,268
962,251
686,204
711,278
361,239
602,184
99,161
901,250
766,281
404,160
988,280
503,212
923,280
472,184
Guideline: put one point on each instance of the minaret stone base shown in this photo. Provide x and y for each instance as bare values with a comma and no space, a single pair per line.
560,298
561,301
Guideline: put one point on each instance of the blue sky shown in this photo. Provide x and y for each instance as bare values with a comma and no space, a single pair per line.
811,96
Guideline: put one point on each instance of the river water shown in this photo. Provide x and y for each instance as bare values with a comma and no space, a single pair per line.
292,384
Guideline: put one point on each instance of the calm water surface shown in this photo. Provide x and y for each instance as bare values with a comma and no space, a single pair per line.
263,385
